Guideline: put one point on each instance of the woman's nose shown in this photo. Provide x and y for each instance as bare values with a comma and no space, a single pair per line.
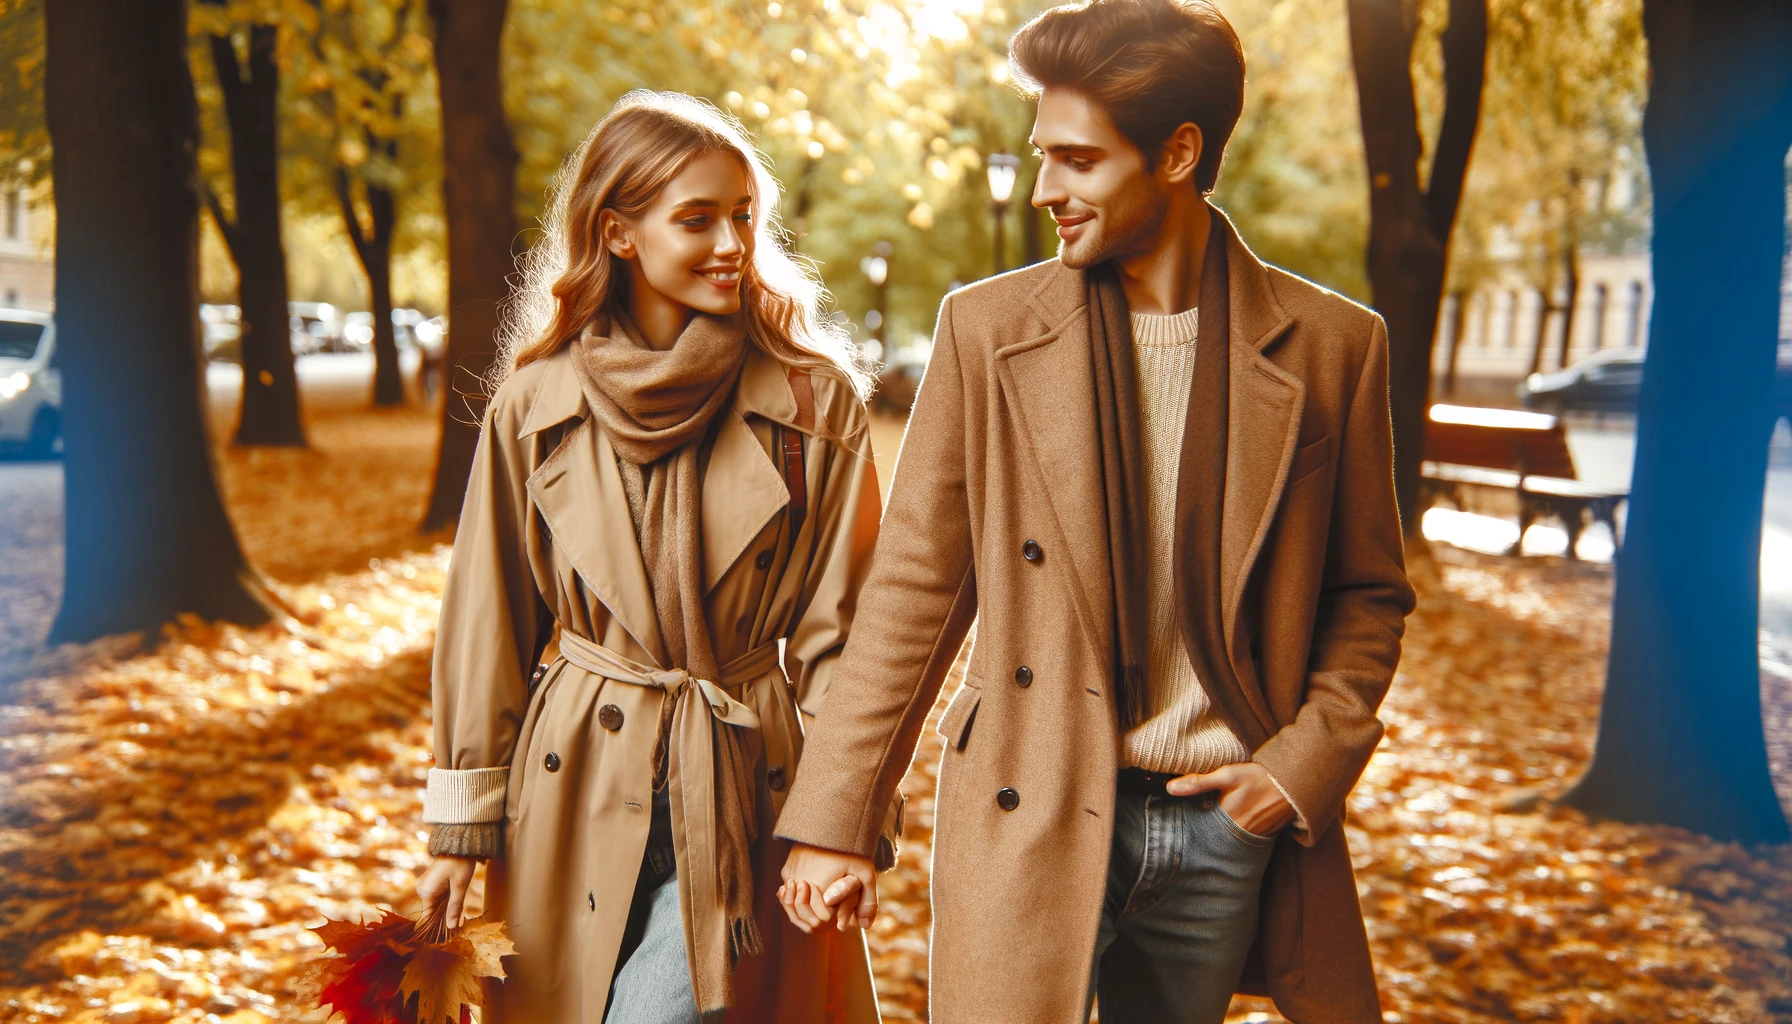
730,244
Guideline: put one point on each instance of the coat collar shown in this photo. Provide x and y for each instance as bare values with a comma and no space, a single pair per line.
580,494
1048,381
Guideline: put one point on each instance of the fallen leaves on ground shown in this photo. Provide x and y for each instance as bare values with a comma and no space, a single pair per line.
173,824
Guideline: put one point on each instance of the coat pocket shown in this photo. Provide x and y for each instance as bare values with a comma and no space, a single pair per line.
1309,458
955,724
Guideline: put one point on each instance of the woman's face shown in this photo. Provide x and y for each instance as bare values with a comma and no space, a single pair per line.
693,243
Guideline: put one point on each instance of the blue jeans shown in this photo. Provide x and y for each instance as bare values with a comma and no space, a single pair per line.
653,981
1180,911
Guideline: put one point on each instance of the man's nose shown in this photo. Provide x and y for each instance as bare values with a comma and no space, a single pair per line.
1046,190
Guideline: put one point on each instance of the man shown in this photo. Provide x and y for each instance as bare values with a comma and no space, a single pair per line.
1159,474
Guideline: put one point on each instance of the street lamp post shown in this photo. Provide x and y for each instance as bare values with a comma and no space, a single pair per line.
1002,169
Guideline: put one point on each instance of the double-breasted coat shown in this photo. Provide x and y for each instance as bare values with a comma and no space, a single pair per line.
996,511
546,555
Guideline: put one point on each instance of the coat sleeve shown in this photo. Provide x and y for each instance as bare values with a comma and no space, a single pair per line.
1363,603
486,636
846,534
916,608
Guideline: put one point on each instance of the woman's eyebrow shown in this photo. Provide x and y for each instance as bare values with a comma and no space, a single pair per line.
708,204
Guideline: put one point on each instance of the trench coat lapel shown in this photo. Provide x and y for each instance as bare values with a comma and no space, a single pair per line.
1262,426
743,489
579,492
1048,382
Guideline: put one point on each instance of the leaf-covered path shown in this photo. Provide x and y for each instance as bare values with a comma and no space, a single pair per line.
171,823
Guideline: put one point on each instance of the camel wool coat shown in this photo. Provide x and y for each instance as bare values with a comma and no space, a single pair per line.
996,512
546,559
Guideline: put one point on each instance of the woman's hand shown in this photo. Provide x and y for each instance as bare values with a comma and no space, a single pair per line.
447,878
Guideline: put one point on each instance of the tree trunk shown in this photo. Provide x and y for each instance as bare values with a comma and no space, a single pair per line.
147,534
1571,302
373,247
1458,324
478,199
1540,340
1409,226
270,405
1680,738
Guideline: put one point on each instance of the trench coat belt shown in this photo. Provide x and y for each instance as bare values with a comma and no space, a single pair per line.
599,660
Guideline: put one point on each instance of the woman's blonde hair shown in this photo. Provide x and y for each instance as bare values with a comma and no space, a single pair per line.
569,276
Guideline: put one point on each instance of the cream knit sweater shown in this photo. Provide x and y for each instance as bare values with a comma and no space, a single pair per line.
1183,734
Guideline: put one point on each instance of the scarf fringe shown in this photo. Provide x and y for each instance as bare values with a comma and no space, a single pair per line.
744,938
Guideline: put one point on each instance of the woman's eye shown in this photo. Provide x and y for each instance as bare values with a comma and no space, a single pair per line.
744,218
694,222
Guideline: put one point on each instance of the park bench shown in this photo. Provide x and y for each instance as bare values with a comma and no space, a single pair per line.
1522,452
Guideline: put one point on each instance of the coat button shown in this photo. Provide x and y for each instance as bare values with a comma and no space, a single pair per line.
764,561
1023,677
610,717
1007,799
551,762
774,777
1031,551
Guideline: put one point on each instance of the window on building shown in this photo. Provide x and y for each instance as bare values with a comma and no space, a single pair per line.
1634,336
12,296
15,214
1599,300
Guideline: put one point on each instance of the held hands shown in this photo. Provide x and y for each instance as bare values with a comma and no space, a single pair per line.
1247,794
820,885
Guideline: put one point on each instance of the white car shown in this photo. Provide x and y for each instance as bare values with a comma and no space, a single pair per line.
30,388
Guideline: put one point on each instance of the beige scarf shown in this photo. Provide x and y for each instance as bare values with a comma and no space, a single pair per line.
656,407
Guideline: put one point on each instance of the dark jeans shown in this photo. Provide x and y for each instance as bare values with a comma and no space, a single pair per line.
1180,911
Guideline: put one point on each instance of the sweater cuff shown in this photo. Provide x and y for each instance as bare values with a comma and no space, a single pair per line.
465,797
1300,817
482,840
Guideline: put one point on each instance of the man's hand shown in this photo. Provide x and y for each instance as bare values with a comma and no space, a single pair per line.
1247,794
820,885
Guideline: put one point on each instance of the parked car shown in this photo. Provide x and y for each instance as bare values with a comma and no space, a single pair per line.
30,388
900,378
316,327
223,332
1606,382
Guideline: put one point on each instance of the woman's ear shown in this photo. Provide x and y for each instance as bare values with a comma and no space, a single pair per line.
615,235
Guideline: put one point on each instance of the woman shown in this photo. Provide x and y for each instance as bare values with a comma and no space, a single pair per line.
671,512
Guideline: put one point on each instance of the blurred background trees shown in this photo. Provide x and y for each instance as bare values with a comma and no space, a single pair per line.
1415,154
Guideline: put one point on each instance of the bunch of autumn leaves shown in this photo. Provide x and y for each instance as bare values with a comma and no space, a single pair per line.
395,970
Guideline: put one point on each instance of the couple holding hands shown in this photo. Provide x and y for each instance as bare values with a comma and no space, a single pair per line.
679,673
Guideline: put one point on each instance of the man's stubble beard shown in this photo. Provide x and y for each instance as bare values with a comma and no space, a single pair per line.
1126,229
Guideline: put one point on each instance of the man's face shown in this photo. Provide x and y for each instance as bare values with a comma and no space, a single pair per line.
1094,181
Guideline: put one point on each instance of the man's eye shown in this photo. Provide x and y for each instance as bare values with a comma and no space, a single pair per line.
1080,165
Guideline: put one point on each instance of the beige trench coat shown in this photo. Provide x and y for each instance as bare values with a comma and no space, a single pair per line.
1000,452
546,547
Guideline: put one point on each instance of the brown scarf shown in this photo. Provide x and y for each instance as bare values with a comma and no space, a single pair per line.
1123,480
656,407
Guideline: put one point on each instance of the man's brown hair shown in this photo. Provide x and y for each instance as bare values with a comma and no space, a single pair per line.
1151,65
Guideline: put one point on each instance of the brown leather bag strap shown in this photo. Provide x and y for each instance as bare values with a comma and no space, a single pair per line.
791,443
